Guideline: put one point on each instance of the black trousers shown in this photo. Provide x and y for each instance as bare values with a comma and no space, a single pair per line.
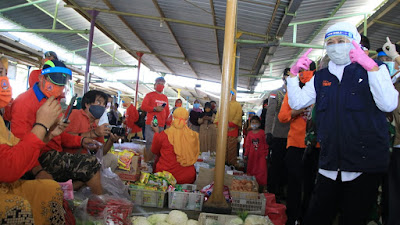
310,168
353,200
277,172
394,188
302,172
294,165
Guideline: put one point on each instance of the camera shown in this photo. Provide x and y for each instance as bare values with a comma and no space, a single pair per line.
119,131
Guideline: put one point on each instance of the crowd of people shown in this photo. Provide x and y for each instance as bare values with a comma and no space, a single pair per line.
328,134
321,143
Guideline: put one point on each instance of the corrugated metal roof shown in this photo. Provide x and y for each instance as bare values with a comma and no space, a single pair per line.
189,50
314,9
35,18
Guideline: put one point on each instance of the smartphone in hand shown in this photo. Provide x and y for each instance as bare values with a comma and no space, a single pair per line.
69,109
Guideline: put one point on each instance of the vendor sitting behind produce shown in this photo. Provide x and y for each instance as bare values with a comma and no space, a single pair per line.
177,148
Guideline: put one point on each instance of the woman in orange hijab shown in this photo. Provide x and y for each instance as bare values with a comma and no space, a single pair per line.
177,148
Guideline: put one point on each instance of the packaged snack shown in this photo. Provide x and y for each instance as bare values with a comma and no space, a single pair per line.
207,191
125,159
144,178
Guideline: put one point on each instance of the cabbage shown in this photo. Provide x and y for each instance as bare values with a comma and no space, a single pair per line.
192,222
140,220
162,223
234,221
256,220
153,219
176,217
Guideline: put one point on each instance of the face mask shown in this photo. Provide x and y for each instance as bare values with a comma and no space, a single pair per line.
208,110
178,105
255,126
108,105
339,53
390,66
5,92
305,76
50,89
97,111
196,105
159,87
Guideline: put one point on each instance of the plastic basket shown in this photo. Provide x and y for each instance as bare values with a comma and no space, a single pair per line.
189,187
221,219
185,200
252,202
148,198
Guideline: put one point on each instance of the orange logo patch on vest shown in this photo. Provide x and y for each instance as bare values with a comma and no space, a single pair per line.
326,83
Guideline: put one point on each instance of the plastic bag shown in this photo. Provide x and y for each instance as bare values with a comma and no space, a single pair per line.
99,153
207,191
68,190
104,209
113,185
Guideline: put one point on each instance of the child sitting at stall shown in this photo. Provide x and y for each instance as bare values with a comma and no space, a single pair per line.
256,153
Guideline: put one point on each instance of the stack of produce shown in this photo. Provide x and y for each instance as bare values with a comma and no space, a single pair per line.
176,217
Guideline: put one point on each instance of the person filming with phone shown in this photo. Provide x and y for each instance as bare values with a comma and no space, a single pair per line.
53,162
40,200
156,105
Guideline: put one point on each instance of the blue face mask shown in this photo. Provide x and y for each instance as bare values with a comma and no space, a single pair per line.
390,66
97,111
196,105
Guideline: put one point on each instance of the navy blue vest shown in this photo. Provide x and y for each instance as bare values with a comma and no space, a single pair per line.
352,131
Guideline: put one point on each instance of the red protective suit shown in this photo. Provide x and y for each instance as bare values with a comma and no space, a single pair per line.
24,109
167,160
256,151
34,77
131,117
154,99
80,123
16,160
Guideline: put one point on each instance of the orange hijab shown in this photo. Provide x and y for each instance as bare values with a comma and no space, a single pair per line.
185,141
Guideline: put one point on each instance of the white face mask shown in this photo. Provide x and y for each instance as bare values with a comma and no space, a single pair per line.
339,53
108,105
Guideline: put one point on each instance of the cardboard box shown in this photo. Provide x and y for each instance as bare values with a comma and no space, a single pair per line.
134,173
206,177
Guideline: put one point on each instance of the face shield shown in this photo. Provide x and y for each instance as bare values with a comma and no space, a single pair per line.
57,82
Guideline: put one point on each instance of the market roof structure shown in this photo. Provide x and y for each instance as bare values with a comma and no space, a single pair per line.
185,37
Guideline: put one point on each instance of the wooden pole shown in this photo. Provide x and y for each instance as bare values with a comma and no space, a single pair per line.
217,197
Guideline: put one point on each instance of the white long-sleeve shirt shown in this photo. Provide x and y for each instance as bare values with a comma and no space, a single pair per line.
381,87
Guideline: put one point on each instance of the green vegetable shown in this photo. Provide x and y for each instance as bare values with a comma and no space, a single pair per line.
176,217
234,221
155,218
243,215
140,220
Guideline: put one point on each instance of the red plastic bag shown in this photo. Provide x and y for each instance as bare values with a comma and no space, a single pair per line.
270,199
276,213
